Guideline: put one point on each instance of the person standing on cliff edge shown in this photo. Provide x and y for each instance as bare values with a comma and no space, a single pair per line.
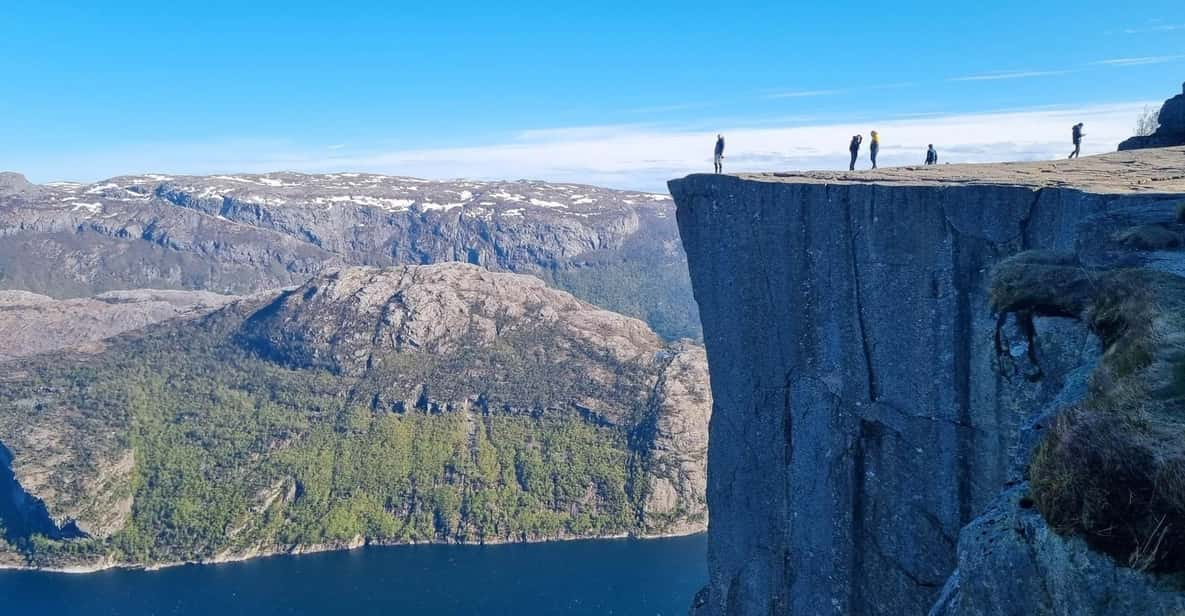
719,154
1077,134
874,147
854,148
931,155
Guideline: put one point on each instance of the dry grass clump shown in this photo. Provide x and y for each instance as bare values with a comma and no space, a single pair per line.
1149,237
1113,467
1042,282
1119,480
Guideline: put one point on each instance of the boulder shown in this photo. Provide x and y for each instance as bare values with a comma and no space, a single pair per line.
1172,127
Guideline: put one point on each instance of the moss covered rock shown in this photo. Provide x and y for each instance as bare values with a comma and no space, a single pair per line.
1113,467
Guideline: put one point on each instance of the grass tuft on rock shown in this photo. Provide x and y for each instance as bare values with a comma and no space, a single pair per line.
1040,281
1149,237
1113,467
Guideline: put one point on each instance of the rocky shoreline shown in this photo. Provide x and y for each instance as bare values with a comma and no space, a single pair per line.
108,563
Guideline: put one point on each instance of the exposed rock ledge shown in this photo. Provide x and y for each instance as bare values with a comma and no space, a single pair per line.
862,416
1012,564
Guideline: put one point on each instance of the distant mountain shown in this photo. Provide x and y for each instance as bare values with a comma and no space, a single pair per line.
405,404
237,234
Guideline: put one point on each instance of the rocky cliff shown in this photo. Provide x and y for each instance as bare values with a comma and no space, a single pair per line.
243,233
408,404
868,404
1171,131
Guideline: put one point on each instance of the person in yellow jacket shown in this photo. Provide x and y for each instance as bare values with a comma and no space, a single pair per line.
875,147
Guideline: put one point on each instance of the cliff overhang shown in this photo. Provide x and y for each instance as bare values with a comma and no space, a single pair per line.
863,414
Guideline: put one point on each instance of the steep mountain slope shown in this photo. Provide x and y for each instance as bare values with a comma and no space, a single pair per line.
244,233
416,403
32,324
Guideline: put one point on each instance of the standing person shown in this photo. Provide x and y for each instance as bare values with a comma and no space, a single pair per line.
719,154
874,147
931,155
1077,135
854,148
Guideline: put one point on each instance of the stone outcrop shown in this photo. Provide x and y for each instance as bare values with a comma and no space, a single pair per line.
1172,127
868,405
237,234
1012,564
32,323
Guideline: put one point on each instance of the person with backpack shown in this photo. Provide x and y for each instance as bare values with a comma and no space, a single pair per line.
854,148
874,147
1077,135
719,153
931,155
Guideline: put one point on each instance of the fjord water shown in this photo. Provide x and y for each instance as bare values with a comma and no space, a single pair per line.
626,576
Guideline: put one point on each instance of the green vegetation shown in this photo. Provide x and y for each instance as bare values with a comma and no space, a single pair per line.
1113,467
658,293
236,452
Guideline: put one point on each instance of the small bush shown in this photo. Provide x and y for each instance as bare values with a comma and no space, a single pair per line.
1045,282
1148,122
1149,237
1119,481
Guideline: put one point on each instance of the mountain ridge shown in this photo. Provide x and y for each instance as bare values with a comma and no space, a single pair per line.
332,413
243,233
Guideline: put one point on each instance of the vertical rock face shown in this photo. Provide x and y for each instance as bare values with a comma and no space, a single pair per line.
862,412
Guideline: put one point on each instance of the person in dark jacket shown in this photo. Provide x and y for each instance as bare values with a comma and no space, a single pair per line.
854,148
1077,135
719,154
874,148
931,155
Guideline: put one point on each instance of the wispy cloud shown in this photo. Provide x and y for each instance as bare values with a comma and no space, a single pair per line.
667,108
1154,28
776,94
1140,61
994,76
893,86
574,133
804,93
336,146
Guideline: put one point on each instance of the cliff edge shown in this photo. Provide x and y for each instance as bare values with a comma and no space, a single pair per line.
868,404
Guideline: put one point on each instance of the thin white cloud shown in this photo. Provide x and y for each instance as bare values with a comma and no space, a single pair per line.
1155,28
893,86
637,156
1140,61
994,76
804,93
569,133
776,94
336,146
667,108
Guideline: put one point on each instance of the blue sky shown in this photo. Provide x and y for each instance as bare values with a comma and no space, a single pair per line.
616,91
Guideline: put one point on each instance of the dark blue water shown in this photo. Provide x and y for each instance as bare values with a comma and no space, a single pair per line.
600,577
